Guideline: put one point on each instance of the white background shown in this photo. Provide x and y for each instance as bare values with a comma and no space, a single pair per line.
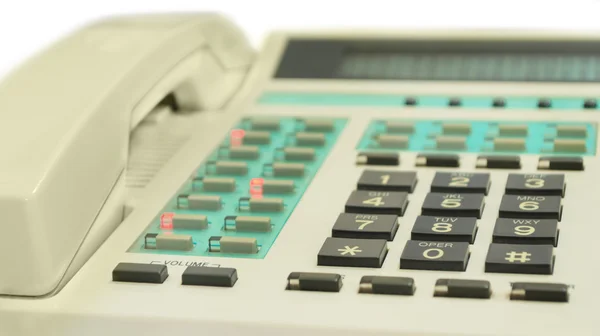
26,26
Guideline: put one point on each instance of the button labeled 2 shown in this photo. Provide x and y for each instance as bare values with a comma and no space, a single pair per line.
377,202
461,182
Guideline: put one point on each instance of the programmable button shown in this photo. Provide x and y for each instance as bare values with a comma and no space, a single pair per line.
256,138
265,124
380,180
209,276
143,273
401,127
361,226
437,160
456,229
453,205
538,207
571,131
538,291
306,139
386,285
463,288
536,184
201,202
526,231
244,152
456,128
285,169
256,204
316,282
393,141
499,162
513,130
570,146
509,144
236,245
378,159
352,252
319,125
512,258
451,142
561,163
278,186
247,223
377,202
181,221
435,256
299,154
234,168
174,242
477,183
218,184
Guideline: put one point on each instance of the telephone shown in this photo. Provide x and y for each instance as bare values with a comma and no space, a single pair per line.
159,176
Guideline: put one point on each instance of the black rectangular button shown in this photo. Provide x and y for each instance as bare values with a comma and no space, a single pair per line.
526,231
499,162
461,182
527,259
538,207
377,202
378,159
209,276
435,256
387,285
436,160
453,205
536,184
561,163
537,291
461,288
315,282
348,252
365,226
144,273
458,229
387,181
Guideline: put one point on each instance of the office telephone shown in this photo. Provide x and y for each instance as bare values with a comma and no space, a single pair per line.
161,177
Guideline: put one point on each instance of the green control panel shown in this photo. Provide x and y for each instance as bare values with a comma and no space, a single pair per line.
239,199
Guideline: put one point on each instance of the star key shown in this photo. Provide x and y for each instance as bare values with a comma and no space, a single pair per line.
352,252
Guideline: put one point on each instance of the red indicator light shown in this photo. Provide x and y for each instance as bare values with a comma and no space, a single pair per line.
256,187
236,137
166,221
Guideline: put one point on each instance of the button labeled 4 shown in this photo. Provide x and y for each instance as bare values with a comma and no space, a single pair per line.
377,202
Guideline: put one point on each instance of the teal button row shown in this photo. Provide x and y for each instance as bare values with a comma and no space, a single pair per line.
347,99
540,137
234,203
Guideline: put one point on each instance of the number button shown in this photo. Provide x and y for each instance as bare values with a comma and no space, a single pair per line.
361,226
387,181
536,184
461,183
435,256
529,259
453,205
458,229
538,207
526,231
377,202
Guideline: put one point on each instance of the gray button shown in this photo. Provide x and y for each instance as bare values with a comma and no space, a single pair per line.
266,204
288,169
244,152
399,127
257,138
231,168
451,142
319,125
237,245
204,202
393,141
142,273
503,144
174,242
209,276
265,124
310,139
218,184
513,130
570,146
250,224
189,222
278,187
459,128
299,154
571,131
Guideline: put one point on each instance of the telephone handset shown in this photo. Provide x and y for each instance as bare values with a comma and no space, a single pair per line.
67,117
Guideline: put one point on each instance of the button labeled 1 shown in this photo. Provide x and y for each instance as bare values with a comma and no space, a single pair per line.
387,181
377,202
